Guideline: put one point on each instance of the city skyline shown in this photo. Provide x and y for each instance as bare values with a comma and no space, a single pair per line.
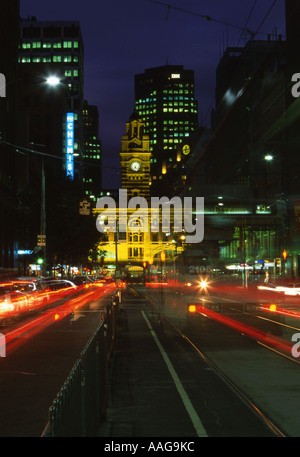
119,46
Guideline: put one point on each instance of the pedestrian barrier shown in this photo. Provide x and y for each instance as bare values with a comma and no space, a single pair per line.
80,405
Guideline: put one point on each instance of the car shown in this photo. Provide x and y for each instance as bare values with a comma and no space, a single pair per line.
81,280
107,280
12,302
289,288
36,291
60,285
284,288
45,290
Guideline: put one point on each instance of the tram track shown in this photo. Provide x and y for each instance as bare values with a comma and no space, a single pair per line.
233,386
285,343
239,392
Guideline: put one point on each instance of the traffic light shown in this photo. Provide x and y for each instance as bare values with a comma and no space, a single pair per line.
40,261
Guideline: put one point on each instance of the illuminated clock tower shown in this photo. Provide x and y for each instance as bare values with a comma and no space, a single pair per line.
135,159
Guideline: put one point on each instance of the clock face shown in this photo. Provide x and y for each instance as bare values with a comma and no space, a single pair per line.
186,149
135,165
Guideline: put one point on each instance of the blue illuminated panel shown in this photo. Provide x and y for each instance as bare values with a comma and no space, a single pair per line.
70,146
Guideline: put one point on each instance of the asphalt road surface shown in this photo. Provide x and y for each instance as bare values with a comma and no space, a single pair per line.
35,368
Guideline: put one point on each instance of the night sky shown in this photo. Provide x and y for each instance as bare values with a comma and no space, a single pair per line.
124,37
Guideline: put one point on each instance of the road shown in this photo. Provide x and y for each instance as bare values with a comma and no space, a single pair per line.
233,354
162,388
246,337
41,351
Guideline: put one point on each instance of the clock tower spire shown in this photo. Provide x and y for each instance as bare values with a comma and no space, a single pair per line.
135,159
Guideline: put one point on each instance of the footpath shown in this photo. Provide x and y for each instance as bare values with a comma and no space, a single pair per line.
143,400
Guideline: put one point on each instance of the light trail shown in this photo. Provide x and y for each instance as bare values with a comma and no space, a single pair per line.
245,329
20,335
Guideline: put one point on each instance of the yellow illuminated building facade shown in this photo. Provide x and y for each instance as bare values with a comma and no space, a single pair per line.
132,245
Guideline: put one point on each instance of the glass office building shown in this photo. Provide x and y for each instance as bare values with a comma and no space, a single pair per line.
92,153
58,42
165,101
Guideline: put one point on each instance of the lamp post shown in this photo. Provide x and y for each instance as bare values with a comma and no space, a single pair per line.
162,260
42,236
116,248
52,81
43,218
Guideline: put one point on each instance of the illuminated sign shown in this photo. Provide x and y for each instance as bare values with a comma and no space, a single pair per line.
70,145
225,210
263,209
175,76
186,149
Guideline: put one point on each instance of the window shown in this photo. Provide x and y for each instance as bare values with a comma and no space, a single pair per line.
136,252
136,237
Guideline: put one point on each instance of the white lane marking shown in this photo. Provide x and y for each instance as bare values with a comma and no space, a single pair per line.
200,430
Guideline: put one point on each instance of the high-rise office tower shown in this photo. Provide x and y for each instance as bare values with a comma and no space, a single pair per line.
52,43
92,153
165,101
10,181
9,41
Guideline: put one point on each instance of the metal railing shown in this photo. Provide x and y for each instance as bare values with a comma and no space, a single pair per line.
80,405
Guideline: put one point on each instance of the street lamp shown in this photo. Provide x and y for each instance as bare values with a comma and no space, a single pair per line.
269,158
53,81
